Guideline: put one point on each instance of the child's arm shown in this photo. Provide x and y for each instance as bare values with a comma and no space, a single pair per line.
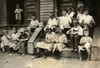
54,48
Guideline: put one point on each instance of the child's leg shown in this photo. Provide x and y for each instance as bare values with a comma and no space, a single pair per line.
79,52
38,52
88,52
3,47
76,39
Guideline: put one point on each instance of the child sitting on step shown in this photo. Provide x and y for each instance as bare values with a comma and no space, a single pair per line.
85,44
5,40
60,44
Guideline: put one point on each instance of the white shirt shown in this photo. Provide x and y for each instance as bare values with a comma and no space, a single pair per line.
34,23
70,15
18,14
64,22
85,39
80,17
75,30
52,22
88,19
15,36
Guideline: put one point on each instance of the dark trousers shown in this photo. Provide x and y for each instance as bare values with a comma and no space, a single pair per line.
57,54
74,41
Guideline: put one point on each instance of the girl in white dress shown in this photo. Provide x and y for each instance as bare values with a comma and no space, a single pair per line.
18,14
5,40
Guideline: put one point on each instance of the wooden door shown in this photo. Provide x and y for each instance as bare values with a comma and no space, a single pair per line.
31,7
64,4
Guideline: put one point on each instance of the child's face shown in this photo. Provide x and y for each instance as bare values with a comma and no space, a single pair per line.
33,17
75,23
63,13
17,6
86,33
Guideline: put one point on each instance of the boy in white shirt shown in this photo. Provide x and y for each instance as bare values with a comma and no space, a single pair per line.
33,24
64,22
52,22
85,44
88,19
75,33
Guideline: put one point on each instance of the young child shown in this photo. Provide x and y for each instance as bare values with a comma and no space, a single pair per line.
75,34
47,44
60,42
14,40
23,39
85,44
5,40
33,24
52,22
18,14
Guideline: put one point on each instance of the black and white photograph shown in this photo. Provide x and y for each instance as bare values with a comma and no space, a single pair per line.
49,33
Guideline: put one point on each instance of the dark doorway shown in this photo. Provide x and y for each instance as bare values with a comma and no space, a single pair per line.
63,5
11,6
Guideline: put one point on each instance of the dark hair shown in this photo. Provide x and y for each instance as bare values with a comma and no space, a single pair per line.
34,15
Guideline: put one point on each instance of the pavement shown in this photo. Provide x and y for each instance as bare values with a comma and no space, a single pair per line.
15,61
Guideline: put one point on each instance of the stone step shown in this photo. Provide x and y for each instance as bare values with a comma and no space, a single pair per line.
68,53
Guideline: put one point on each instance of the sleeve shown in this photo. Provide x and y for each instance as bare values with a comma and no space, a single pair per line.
70,20
55,22
37,22
15,11
21,10
70,31
80,31
92,20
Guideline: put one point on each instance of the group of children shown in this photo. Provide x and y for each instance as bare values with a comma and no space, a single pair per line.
75,28
15,42
58,30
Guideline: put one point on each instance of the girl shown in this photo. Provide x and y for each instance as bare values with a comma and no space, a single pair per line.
60,42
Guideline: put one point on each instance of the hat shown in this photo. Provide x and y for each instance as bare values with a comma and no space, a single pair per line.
22,30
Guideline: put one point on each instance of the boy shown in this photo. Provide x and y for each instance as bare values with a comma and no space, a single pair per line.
23,39
33,24
88,19
64,22
85,44
52,22
60,42
75,33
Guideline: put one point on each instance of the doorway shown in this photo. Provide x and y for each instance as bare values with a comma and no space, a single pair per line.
11,6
